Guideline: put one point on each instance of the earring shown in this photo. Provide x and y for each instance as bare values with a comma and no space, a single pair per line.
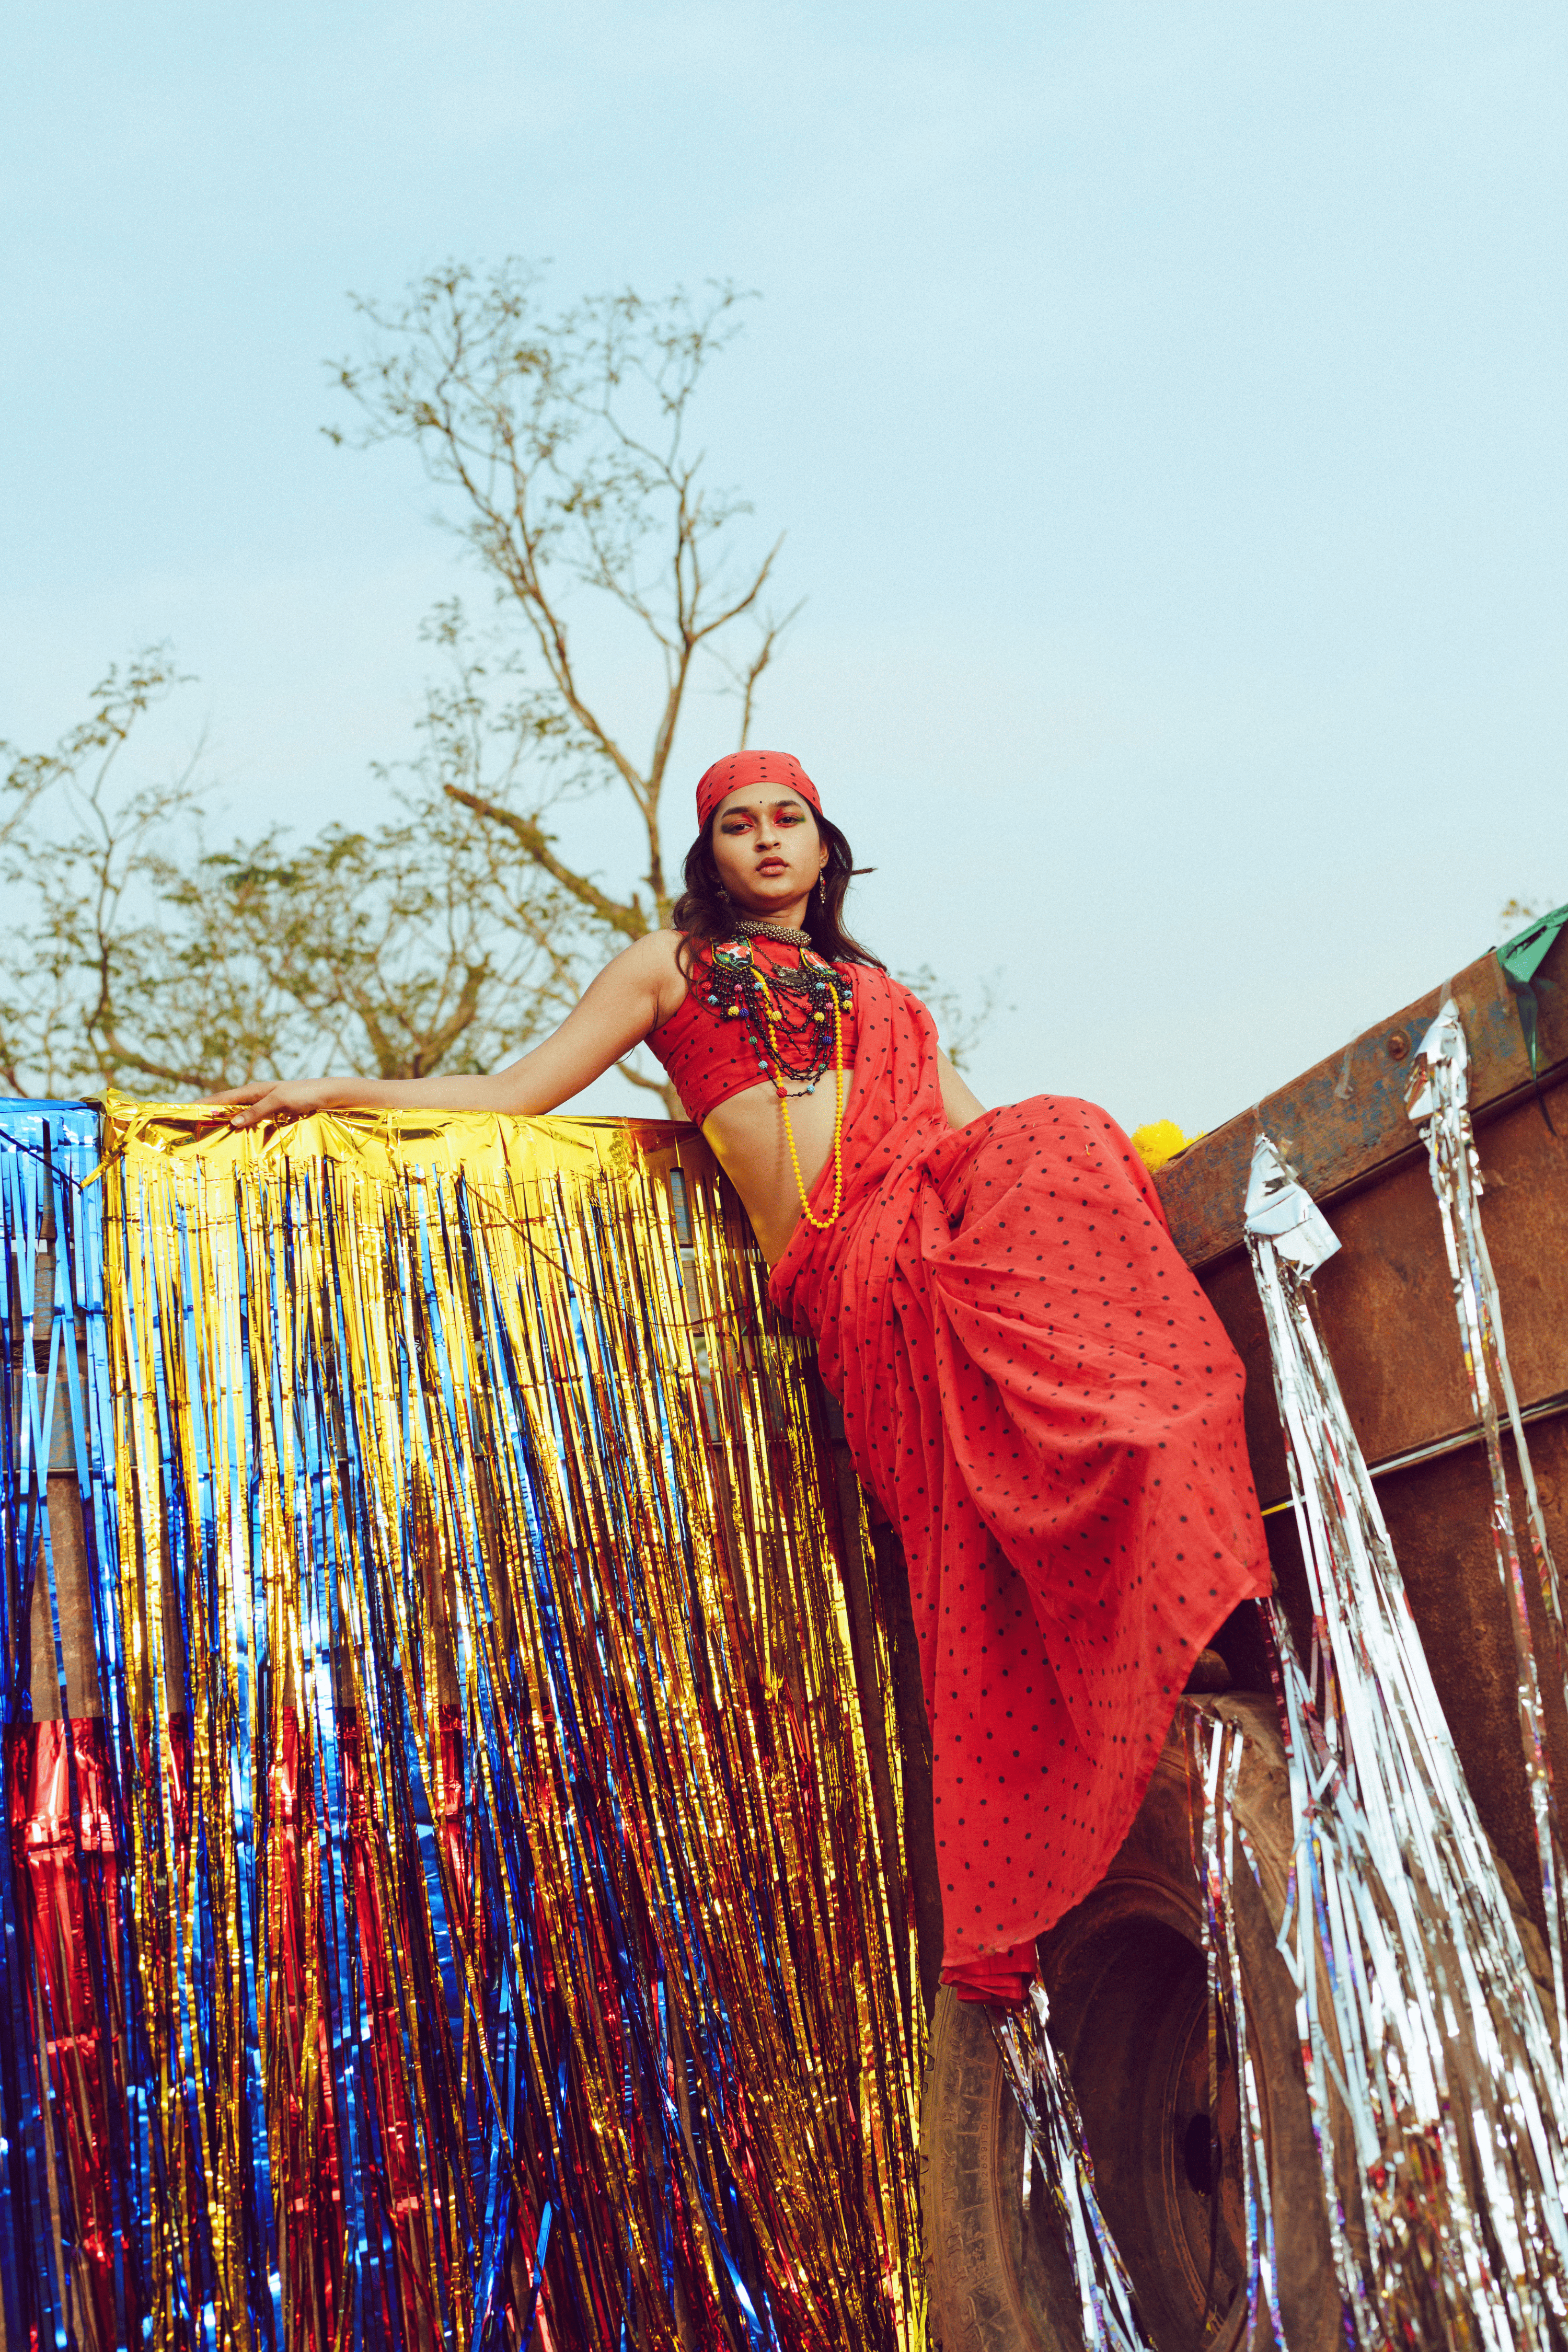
822,889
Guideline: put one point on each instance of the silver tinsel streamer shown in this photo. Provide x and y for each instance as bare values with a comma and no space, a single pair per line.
1436,2094
1213,1768
1439,1094
1056,2135
1040,2081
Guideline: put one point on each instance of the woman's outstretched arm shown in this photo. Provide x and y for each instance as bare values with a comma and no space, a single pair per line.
959,1103
615,1012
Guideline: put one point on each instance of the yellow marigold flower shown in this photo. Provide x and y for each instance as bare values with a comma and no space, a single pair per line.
1159,1141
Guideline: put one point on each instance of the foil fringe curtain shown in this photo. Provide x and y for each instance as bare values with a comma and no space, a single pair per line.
492,1936
1436,2093
1439,1095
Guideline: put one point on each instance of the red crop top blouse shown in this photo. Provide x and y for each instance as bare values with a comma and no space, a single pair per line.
709,1058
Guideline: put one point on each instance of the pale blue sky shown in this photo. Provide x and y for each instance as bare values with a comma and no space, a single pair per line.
1164,402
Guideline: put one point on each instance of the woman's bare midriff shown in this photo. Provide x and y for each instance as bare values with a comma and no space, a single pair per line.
747,1134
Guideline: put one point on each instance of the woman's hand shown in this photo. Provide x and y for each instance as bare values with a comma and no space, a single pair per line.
255,1104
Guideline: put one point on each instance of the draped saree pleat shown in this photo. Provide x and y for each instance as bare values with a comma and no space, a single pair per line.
1047,1407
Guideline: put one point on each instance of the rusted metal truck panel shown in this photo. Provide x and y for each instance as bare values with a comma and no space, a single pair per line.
1387,1314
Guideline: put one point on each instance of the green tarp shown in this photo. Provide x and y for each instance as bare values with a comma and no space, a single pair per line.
1520,960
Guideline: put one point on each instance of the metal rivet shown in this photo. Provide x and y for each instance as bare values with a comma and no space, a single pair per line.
1399,1046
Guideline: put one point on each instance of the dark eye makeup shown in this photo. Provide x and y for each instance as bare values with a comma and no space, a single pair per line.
742,819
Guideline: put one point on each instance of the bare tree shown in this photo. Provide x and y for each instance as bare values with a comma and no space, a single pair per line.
566,445
451,933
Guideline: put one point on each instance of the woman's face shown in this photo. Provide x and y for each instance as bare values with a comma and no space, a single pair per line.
768,852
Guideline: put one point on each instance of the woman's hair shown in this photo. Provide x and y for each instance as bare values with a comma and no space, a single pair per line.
704,913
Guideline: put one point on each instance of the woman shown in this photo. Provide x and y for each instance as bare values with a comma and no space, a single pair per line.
1033,1385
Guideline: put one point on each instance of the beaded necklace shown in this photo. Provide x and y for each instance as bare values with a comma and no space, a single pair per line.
791,1017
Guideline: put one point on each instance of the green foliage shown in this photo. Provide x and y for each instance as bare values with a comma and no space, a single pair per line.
138,954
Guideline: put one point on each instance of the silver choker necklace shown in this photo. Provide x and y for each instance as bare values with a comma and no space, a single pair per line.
751,928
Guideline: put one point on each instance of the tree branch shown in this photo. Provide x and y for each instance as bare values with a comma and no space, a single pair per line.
462,1017
122,1057
628,919
517,559
673,1106
743,604
746,679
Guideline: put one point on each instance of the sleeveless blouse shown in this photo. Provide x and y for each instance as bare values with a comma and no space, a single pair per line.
710,1058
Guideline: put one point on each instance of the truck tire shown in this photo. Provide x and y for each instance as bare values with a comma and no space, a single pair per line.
1129,2014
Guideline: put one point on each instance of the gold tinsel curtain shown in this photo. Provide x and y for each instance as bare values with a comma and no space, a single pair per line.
509,1940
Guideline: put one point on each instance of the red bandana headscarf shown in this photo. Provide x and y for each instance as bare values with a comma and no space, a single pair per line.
726,776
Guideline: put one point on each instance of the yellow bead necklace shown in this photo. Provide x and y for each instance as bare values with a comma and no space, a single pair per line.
820,1223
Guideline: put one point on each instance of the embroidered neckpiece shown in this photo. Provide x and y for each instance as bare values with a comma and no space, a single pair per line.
798,1032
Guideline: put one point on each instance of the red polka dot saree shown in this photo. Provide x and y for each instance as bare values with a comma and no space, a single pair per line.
1047,1409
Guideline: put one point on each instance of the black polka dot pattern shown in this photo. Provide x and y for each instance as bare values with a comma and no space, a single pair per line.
1049,1411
